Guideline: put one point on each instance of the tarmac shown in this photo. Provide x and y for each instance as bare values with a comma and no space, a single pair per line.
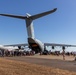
49,61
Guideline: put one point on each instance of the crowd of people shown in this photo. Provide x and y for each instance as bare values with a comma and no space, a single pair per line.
15,53
31,52
58,53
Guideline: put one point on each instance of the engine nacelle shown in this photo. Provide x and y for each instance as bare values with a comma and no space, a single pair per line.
36,45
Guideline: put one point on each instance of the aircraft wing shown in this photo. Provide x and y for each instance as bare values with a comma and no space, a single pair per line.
54,44
17,45
45,44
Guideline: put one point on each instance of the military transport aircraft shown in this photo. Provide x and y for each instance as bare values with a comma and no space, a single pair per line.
33,43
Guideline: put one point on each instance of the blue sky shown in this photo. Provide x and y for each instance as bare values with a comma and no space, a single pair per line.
59,27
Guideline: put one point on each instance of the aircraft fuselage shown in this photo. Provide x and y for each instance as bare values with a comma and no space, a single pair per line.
34,43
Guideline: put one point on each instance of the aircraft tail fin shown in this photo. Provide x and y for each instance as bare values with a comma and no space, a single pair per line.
42,14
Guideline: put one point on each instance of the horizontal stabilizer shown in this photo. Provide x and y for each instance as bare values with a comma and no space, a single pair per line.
42,14
30,17
14,16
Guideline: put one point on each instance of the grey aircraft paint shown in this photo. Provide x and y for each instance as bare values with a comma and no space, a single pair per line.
34,43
